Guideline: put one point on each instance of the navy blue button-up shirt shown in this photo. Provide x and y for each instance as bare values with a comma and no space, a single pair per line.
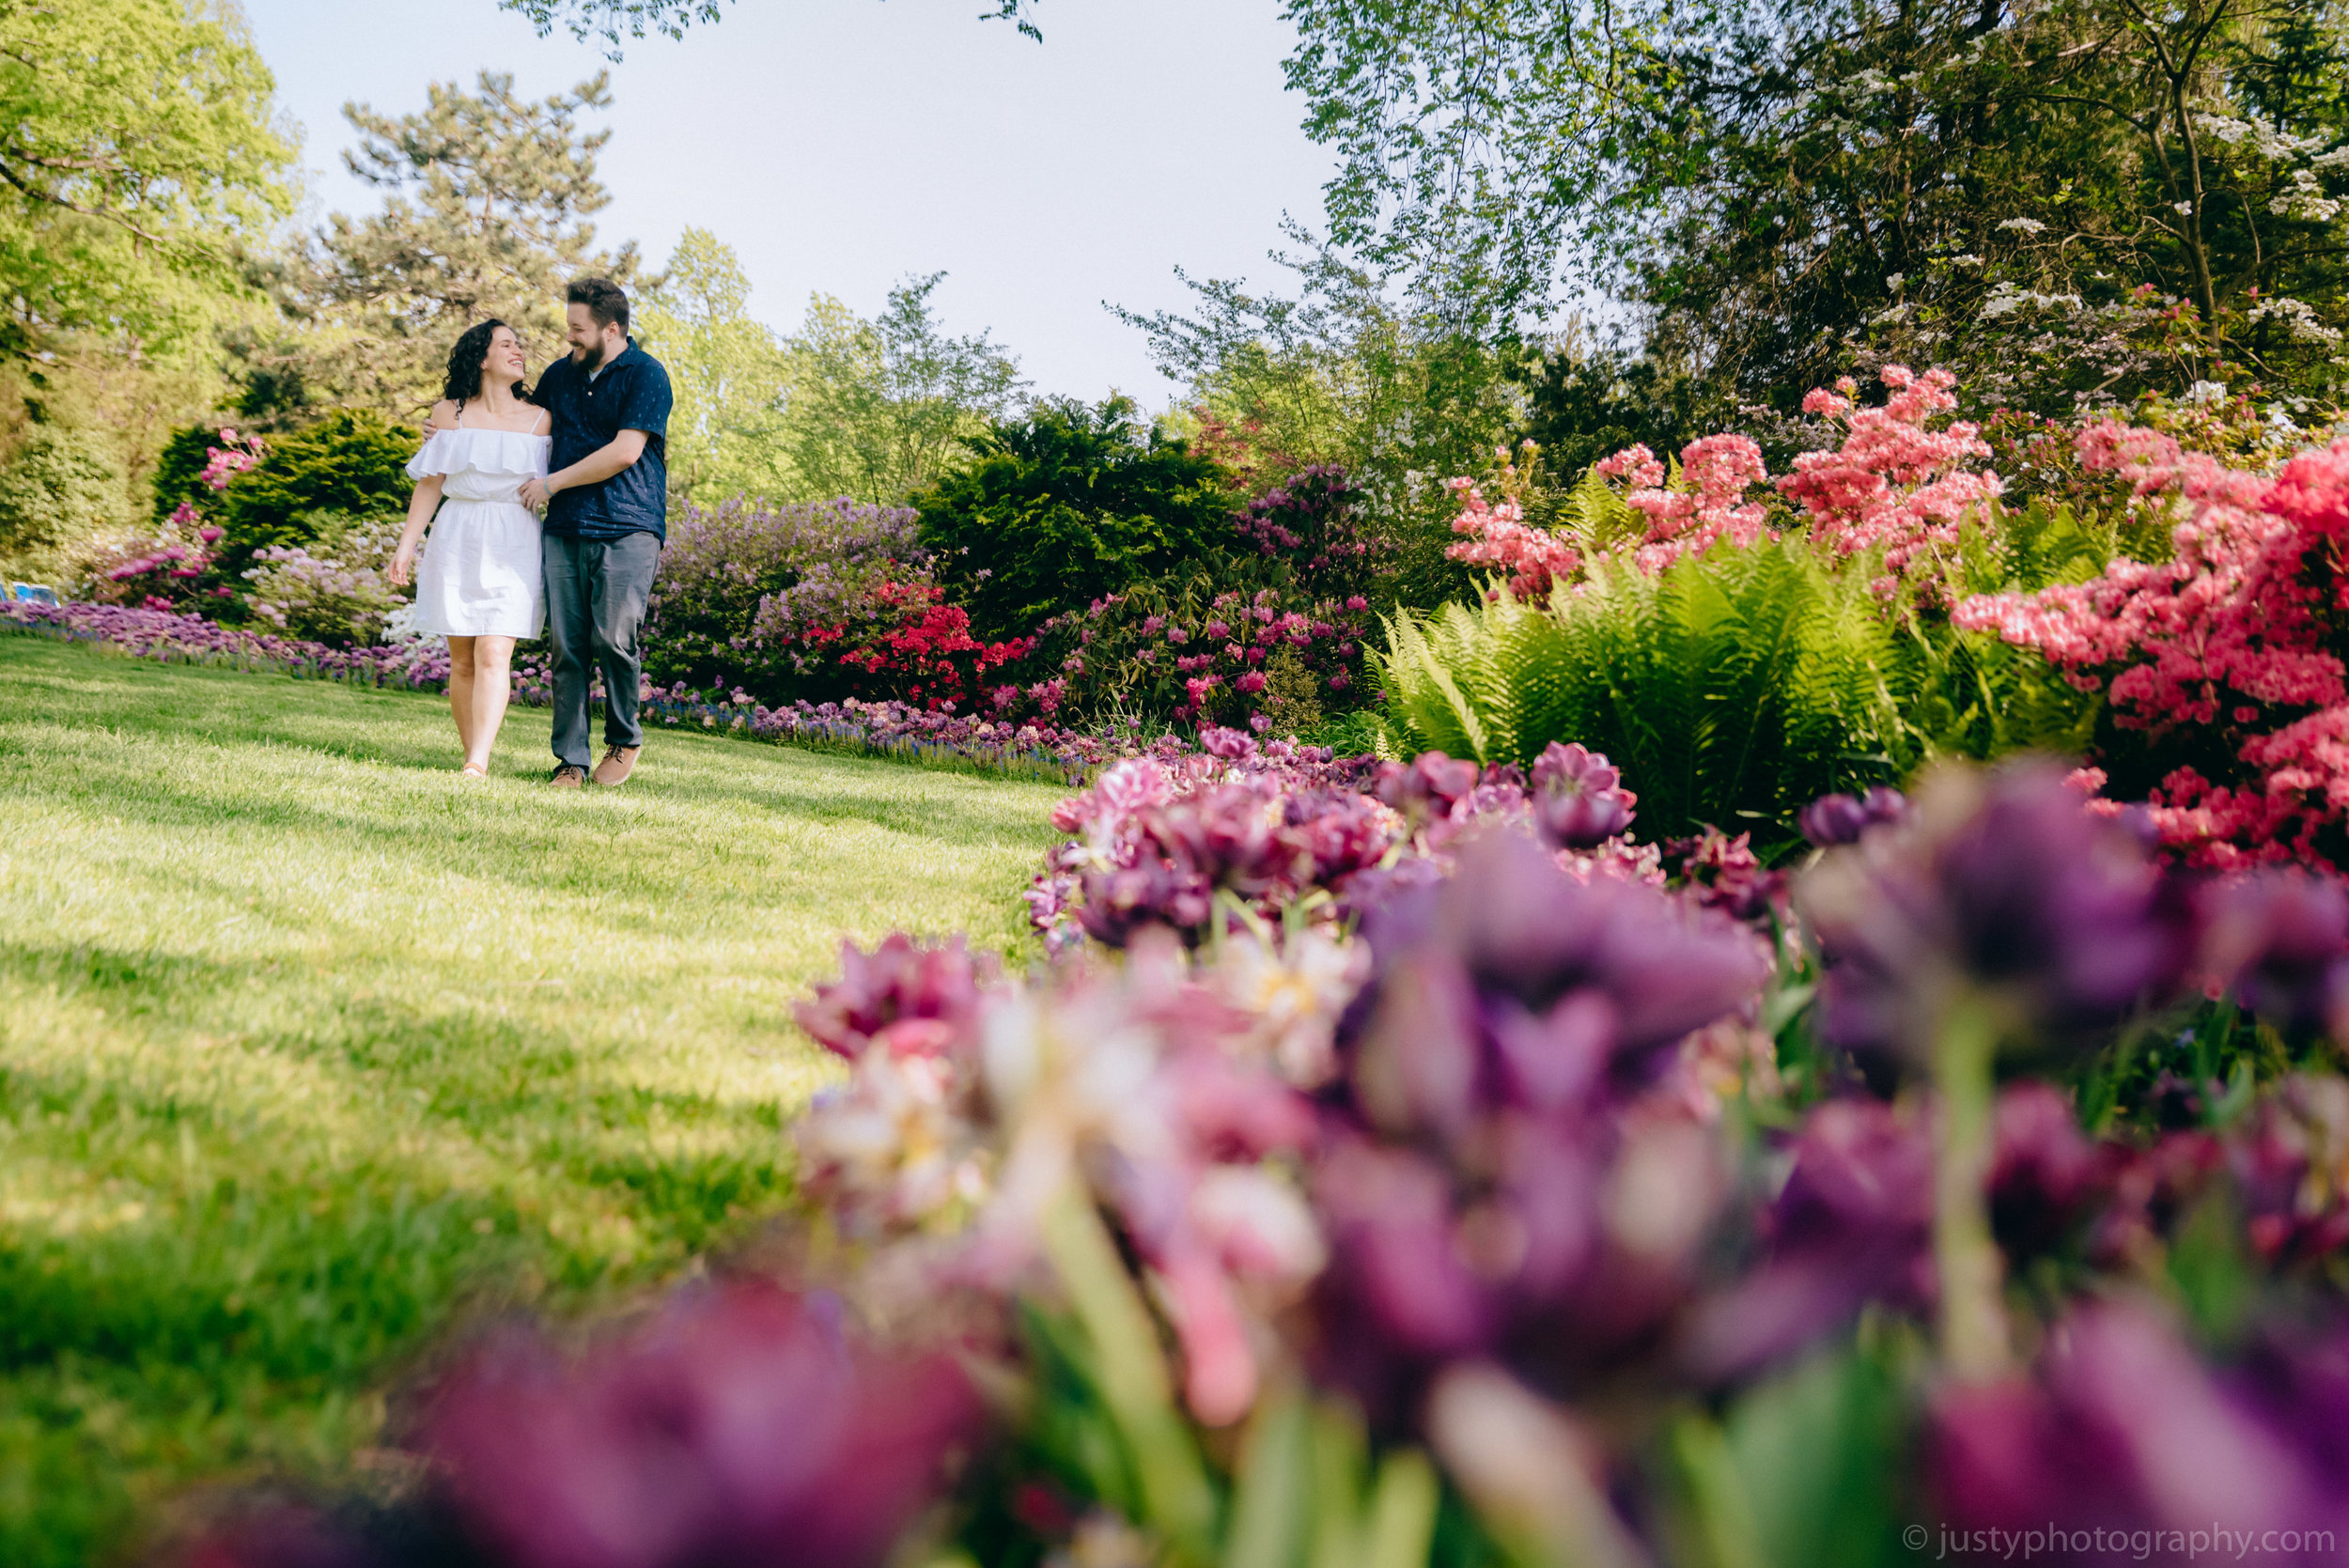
631,392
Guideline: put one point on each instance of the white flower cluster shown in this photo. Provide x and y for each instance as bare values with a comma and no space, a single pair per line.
2298,316
2007,298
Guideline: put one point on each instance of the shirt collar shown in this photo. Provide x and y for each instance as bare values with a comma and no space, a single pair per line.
616,358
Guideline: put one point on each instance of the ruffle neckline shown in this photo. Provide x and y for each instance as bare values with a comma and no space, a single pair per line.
461,450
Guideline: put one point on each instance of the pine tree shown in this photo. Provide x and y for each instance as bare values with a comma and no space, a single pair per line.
489,196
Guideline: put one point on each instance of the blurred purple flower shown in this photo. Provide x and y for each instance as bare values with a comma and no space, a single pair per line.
2046,1175
2004,883
914,1000
2122,1428
1853,1223
1430,784
1834,819
744,1426
1579,797
2281,940
1723,873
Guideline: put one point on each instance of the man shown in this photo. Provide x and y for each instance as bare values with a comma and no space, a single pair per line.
607,501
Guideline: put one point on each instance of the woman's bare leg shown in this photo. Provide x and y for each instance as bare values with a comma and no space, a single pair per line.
460,688
492,684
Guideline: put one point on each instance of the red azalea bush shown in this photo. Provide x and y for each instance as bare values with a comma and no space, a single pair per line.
1200,656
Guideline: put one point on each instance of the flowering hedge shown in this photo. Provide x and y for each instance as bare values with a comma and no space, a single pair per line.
1035,749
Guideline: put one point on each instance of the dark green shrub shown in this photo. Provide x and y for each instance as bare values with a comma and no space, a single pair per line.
1068,506
178,479
352,462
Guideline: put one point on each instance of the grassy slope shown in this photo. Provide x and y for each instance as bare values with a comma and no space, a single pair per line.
307,1046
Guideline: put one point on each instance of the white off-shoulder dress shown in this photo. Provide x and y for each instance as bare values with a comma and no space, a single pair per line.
479,575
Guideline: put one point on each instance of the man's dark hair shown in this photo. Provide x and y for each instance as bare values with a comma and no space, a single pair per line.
603,299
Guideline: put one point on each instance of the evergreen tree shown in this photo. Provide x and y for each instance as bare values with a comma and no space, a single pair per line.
487,216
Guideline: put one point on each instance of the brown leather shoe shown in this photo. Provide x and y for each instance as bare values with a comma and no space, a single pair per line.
618,764
568,776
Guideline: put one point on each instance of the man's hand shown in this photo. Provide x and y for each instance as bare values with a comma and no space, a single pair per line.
536,493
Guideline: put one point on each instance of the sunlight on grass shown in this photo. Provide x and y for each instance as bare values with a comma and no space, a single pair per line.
308,1046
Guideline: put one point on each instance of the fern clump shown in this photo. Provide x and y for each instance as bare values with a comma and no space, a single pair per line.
1733,689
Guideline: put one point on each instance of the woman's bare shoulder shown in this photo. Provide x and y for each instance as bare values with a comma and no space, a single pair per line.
443,417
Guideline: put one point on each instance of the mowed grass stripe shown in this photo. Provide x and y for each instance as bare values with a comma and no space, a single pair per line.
309,1046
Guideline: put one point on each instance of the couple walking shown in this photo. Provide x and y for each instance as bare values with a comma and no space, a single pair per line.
586,448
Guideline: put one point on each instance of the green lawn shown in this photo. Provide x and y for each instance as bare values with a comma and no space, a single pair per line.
309,1046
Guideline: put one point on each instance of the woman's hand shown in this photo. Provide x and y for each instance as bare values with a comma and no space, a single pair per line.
403,563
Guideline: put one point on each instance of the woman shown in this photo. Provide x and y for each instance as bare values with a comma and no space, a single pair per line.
479,584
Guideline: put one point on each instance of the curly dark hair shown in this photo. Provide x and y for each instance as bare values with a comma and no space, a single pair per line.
463,382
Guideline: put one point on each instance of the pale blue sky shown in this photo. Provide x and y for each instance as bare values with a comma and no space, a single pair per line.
838,145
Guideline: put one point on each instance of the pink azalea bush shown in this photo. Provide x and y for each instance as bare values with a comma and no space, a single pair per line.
1499,536
2229,649
1894,484
1898,483
1709,506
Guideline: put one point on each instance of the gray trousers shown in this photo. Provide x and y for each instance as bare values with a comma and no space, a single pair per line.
596,595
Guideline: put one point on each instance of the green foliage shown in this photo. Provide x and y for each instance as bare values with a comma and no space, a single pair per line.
1395,392
872,411
1739,685
1771,185
613,20
1733,689
1971,694
140,159
1065,506
877,410
354,462
62,486
725,369
1804,1471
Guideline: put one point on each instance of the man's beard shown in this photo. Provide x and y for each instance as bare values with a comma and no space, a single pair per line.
591,357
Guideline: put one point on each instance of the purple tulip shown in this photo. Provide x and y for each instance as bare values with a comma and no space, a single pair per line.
1853,1223
744,1426
2281,941
1579,800
1836,819
1429,785
2122,1430
2046,1174
2006,881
